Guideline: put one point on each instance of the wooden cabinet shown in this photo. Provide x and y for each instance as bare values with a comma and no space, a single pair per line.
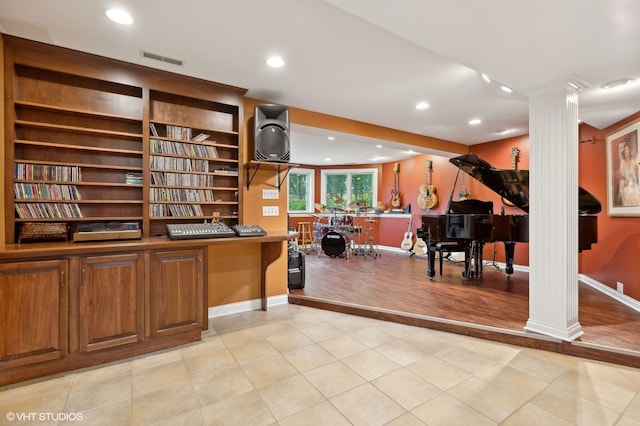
91,139
111,301
176,291
33,312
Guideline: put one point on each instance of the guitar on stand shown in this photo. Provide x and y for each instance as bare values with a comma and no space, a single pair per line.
427,199
420,247
396,200
515,152
463,194
407,241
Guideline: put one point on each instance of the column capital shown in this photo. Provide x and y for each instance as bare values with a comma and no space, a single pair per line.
573,83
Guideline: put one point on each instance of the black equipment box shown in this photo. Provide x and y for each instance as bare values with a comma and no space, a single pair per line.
296,269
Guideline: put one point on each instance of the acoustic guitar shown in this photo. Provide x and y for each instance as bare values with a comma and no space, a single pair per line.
396,200
427,199
407,241
420,246
515,152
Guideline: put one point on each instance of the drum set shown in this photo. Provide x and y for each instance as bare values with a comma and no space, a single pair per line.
339,233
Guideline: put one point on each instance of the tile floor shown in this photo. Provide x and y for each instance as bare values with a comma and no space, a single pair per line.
296,365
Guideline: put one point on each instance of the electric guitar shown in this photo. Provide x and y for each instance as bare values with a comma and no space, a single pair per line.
514,165
396,201
407,241
427,199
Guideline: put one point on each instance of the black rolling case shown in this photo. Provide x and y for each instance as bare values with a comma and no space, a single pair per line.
296,269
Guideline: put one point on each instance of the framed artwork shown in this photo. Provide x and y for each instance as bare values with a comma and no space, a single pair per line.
623,184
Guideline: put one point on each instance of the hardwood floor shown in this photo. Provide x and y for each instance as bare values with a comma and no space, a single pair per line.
394,286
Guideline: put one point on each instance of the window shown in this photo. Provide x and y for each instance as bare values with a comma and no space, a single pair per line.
301,196
343,186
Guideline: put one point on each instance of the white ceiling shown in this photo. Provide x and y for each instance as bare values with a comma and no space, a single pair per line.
370,60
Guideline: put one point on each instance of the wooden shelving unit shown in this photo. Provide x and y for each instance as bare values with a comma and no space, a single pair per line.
91,139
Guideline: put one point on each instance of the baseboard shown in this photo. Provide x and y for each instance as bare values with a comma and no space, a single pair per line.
246,306
620,297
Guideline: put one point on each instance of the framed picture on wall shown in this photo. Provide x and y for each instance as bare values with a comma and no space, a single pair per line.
623,184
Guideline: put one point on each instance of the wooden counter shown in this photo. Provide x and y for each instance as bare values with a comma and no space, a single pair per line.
68,305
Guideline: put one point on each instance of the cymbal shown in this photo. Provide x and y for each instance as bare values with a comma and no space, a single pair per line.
320,207
336,210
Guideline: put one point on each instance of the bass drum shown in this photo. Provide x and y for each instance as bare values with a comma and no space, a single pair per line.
333,244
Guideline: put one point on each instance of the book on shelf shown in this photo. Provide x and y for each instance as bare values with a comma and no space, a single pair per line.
200,137
133,178
227,171
153,129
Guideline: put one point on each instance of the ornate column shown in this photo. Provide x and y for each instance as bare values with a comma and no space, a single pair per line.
553,210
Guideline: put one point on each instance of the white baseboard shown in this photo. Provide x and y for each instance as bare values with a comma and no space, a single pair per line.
246,306
622,298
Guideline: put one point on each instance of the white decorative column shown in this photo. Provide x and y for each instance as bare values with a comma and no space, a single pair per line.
553,210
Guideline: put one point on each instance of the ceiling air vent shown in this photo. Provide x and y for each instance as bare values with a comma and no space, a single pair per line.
161,58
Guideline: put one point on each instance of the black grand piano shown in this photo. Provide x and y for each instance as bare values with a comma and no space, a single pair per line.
469,224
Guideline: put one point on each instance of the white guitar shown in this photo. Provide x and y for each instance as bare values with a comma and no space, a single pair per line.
420,246
407,241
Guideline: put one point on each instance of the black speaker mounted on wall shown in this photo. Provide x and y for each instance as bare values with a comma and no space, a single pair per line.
271,133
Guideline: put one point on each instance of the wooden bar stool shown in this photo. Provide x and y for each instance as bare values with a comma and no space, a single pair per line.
304,234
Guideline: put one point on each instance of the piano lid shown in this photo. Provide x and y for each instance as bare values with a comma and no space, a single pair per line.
513,185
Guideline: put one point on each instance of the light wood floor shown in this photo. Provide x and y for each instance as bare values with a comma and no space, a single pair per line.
394,286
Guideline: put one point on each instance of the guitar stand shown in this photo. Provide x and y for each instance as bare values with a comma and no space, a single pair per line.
493,262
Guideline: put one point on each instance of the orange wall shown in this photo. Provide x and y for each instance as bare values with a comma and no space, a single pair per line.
610,260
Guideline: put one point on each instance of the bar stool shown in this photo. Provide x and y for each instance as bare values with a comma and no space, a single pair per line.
304,234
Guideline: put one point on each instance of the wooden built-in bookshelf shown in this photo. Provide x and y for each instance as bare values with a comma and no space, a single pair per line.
91,139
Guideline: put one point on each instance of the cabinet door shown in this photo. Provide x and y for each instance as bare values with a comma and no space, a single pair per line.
177,291
111,301
33,312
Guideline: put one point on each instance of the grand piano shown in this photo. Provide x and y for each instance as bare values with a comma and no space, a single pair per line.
469,224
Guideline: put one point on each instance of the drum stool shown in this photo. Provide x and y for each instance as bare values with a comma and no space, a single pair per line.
304,234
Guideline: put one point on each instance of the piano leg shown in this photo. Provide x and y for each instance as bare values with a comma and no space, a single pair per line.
509,249
477,258
467,273
431,264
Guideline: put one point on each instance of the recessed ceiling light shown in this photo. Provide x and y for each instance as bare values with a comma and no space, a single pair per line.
618,83
327,159
504,131
120,16
275,62
486,78
506,89
475,121
378,146
422,105
331,138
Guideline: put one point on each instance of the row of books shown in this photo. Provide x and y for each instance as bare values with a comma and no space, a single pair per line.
181,148
27,171
156,210
182,164
48,210
180,179
45,191
176,194
133,178
178,132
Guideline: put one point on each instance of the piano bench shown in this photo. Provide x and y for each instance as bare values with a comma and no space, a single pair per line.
446,247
